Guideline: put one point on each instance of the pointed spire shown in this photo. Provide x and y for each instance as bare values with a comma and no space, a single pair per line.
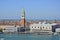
23,13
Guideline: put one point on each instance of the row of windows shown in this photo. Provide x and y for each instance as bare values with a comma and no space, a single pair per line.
40,27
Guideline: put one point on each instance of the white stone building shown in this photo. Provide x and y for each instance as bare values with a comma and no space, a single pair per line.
41,27
57,30
10,29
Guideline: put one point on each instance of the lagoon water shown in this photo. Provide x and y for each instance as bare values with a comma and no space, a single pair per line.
28,37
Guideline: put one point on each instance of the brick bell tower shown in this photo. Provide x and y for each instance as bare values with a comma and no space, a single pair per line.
22,20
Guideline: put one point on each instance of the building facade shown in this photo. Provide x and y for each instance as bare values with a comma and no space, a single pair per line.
58,30
10,29
41,27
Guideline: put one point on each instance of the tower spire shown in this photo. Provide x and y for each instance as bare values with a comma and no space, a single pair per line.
23,14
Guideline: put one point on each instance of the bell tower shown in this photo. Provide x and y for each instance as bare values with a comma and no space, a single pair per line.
22,21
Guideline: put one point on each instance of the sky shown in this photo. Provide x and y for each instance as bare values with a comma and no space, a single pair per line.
34,9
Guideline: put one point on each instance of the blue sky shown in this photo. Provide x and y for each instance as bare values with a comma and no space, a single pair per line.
34,9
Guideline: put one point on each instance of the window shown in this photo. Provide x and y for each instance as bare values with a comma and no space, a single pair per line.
35,27
32,26
38,27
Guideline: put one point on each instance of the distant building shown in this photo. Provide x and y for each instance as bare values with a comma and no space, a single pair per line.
57,30
41,27
10,29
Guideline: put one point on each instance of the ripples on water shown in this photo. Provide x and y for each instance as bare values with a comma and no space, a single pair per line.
28,37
